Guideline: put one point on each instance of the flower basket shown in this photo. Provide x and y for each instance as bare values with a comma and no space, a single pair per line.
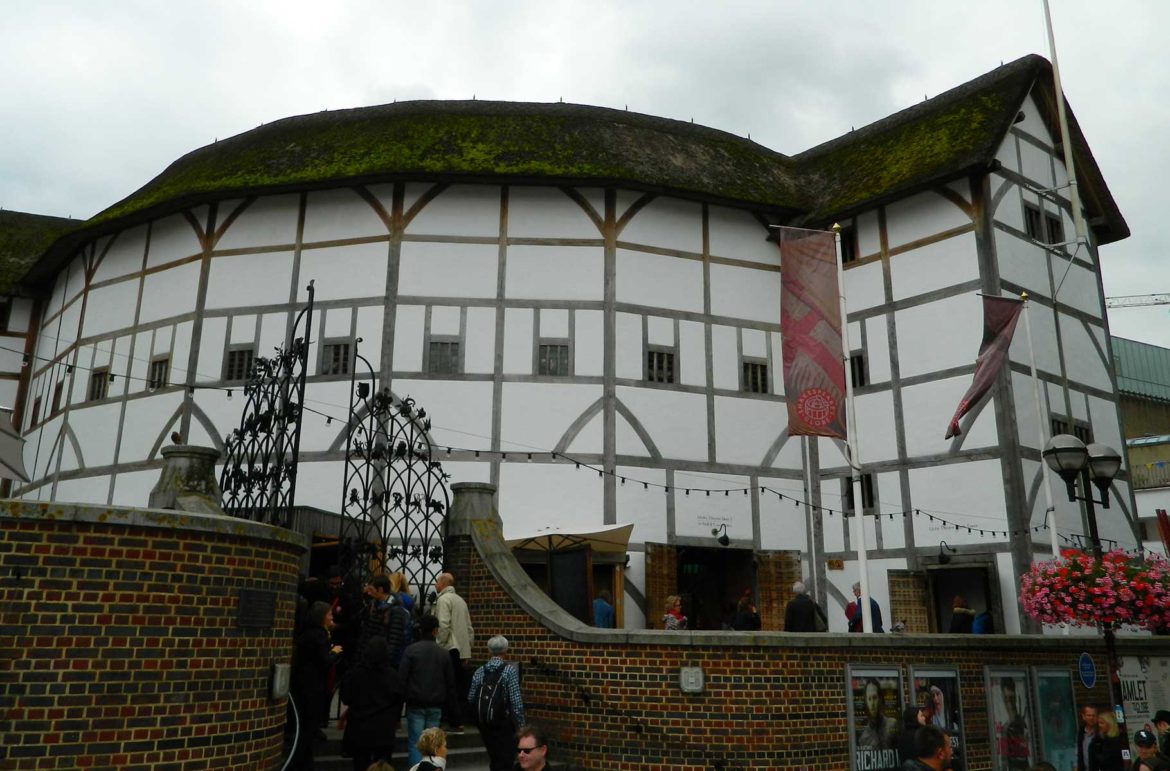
1119,589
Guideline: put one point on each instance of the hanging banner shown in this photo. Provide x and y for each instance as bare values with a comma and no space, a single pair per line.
810,329
875,709
1000,315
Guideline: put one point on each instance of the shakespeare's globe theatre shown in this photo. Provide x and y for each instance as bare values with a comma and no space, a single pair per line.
586,303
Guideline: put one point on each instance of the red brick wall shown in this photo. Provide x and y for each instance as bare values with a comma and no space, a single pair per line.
613,702
119,647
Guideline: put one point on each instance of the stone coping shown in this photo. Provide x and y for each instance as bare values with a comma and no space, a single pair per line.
162,519
487,537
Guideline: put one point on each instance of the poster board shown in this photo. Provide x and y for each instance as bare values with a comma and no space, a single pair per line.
1056,717
1145,689
874,699
1009,718
937,689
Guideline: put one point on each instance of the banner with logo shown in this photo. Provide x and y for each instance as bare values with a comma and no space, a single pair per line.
1000,315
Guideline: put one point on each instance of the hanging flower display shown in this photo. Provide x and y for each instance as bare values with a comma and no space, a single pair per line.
1078,589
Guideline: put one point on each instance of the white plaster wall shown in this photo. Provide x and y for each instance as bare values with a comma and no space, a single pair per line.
921,216
95,428
408,338
448,270
869,237
172,238
746,428
938,335
537,416
666,223
928,410
518,326
791,453
1084,360
369,329
125,255
1079,288
588,343
343,272
737,235
660,331
876,432
695,515
541,213
776,363
211,348
745,293
147,419
659,281
169,293
131,488
341,213
725,357
554,272
692,346
462,411
1035,164
877,340
863,286
969,494
644,508
1022,263
628,356
479,355
532,496
782,525
270,220
934,266
8,390
658,410
111,307
249,280
461,210
19,315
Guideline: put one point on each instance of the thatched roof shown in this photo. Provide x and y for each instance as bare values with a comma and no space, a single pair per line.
24,238
950,136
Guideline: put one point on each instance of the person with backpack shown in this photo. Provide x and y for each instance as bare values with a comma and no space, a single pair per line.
427,680
495,700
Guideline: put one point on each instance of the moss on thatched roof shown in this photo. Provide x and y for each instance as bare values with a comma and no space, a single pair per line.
24,238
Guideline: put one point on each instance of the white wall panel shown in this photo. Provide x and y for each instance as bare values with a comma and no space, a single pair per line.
939,335
876,431
697,514
745,293
555,272
480,353
863,286
125,255
978,485
111,307
629,355
460,210
660,281
8,393
934,266
776,365
692,350
921,216
660,331
877,339
146,419
533,495
20,314
172,238
95,427
408,338
1079,288
211,347
518,327
1082,358
268,221
536,415
340,213
737,235
1022,262
928,411
755,342
666,223
448,270
658,410
1036,164
454,407
869,236
725,357
169,293
538,212
644,508
249,280
588,343
746,428
369,329
554,322
342,272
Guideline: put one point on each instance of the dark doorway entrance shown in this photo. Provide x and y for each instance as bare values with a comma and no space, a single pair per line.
710,581
970,583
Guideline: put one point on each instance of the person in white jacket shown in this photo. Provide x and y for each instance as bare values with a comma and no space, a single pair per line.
455,635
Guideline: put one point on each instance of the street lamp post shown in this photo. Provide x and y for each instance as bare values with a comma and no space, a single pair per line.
1097,463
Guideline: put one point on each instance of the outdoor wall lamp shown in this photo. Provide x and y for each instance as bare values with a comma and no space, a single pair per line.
722,539
943,548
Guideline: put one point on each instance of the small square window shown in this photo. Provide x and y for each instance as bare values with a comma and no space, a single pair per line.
660,366
35,418
160,373
1055,229
58,393
238,364
857,369
755,377
867,496
1033,223
848,245
443,357
99,384
553,359
335,359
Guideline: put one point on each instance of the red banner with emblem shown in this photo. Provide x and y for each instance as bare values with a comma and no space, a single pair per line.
810,328
1000,315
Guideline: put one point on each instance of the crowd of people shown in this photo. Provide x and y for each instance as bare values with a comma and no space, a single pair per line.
386,659
1100,746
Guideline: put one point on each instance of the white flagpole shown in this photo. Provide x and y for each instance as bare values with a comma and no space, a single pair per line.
1066,139
851,444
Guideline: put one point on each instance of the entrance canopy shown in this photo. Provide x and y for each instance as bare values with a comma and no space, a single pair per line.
608,539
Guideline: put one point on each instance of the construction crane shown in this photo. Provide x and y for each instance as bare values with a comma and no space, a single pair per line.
1137,300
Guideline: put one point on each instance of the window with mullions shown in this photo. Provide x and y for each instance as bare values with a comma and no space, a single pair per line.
866,494
35,418
99,384
443,357
1054,228
1080,429
553,359
1033,223
160,373
755,377
857,369
237,365
58,393
660,365
848,244
335,358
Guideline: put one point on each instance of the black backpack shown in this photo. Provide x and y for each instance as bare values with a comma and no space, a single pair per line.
492,707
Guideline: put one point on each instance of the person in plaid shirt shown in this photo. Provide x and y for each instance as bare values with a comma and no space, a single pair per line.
499,734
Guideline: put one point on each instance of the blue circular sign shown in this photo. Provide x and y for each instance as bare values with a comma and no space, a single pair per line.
1087,670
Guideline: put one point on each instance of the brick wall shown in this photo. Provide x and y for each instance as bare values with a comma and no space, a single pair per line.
776,572
772,700
118,639
909,601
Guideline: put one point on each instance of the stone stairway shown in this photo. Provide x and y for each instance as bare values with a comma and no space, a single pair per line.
465,751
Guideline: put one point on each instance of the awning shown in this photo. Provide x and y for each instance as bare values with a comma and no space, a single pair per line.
612,538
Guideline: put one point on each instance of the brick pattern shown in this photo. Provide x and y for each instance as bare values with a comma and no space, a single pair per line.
617,705
776,572
661,580
909,601
119,647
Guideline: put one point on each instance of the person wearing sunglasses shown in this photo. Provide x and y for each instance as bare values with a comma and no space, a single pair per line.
531,749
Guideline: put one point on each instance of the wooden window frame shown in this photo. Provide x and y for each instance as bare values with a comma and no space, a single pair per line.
329,362
229,370
664,375
751,382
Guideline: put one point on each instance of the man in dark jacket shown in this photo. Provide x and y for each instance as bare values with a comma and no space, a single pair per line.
802,613
384,616
932,750
428,683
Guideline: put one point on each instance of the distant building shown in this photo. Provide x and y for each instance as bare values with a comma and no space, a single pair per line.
567,284
1143,388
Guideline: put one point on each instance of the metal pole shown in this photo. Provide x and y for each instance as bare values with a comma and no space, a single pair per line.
1041,432
1066,139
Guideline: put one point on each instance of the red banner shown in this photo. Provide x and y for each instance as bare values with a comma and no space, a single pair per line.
810,328
1000,315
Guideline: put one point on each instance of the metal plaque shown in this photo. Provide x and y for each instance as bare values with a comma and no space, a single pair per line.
256,608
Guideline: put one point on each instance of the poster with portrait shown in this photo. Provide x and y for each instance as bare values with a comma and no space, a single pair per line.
1056,718
1009,714
937,691
875,707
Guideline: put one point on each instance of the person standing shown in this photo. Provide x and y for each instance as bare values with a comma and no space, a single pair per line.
603,610
673,619
427,681
1162,726
1085,734
854,612
932,751
432,746
1106,747
454,636
531,749
313,658
962,617
495,700
802,614
1149,759
370,691
385,617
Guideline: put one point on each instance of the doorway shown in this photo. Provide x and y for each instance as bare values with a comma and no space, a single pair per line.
969,582
710,581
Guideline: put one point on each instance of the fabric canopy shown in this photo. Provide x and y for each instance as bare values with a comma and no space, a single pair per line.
612,538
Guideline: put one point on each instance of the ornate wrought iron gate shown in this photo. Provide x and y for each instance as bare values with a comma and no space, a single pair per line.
395,496
259,477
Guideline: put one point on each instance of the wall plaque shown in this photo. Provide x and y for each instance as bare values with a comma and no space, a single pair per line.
256,608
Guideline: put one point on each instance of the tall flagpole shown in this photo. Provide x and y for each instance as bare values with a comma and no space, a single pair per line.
1074,195
851,443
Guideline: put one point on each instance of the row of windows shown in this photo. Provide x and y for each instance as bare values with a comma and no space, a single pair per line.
99,387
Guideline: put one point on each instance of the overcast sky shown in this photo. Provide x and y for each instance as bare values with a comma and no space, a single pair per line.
99,97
